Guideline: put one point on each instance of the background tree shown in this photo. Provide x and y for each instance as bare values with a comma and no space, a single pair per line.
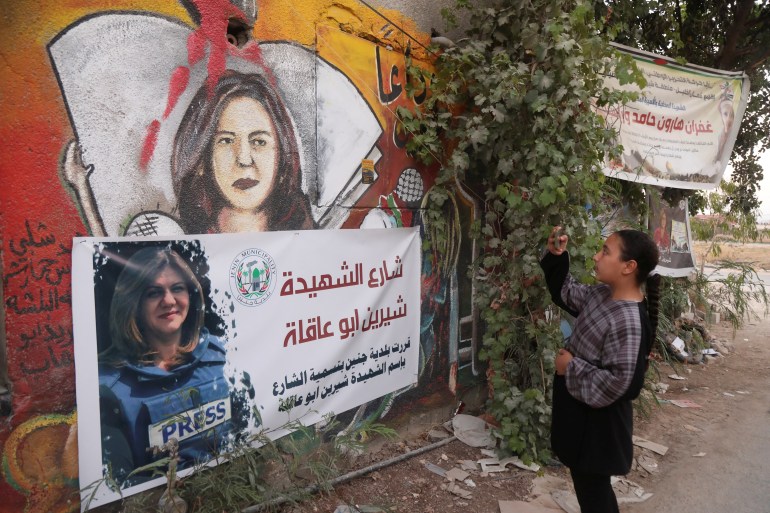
731,35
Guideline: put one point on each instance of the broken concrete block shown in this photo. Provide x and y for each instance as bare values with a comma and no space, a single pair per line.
455,474
458,490
654,447
566,501
435,469
468,465
627,491
434,435
472,431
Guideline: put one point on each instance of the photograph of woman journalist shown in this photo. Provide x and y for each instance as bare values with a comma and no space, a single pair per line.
601,369
162,375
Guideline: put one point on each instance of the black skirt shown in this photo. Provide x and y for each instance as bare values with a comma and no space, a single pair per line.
593,440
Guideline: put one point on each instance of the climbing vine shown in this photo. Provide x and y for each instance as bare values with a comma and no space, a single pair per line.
508,118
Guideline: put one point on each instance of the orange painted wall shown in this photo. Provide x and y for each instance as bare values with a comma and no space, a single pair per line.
39,213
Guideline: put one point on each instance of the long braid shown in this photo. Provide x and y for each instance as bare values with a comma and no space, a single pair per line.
639,246
653,296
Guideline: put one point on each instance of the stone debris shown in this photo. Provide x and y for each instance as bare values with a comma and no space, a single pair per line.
720,346
497,465
472,431
684,403
435,435
566,500
688,427
344,508
647,463
456,474
646,444
468,465
699,455
458,490
524,507
545,484
434,468
627,491
676,377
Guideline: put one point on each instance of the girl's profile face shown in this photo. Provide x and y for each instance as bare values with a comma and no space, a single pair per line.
609,264
164,306
245,154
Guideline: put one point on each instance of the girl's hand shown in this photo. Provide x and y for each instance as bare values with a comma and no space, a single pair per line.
562,360
557,241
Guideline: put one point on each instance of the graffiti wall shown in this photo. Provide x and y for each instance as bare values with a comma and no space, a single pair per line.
130,117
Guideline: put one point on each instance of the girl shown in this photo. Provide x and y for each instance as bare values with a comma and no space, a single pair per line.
601,369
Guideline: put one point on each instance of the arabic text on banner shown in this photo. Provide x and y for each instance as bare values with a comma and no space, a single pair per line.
681,131
303,324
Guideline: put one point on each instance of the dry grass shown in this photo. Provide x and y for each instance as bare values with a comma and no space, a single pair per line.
757,254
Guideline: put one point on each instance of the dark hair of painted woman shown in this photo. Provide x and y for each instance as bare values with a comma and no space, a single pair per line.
236,160
131,326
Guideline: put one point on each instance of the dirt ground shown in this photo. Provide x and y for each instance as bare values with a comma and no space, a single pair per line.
687,432
691,435
719,453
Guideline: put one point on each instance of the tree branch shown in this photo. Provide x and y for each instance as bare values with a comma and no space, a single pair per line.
761,58
726,56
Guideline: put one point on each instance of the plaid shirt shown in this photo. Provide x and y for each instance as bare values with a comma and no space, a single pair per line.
605,343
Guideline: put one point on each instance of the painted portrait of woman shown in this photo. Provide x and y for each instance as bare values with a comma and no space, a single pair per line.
236,163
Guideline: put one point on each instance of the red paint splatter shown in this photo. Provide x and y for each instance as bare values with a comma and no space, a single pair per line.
178,83
212,34
253,53
196,48
150,141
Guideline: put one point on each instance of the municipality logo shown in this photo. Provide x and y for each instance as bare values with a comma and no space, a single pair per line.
252,277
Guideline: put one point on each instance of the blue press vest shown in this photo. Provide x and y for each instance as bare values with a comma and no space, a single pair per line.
150,405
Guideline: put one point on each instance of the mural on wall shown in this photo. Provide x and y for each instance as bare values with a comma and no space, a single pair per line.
155,123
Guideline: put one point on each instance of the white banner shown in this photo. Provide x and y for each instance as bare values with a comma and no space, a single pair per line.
296,325
681,131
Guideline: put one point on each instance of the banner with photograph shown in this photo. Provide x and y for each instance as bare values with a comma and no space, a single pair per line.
191,346
670,229
681,131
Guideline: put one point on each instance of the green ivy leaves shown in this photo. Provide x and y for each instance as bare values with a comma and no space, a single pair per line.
508,116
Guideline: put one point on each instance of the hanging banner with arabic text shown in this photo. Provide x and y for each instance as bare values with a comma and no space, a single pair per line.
681,131
191,346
